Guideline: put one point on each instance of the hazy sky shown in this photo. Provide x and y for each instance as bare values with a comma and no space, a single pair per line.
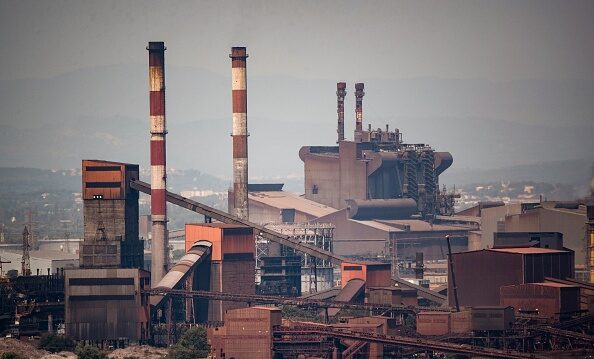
494,40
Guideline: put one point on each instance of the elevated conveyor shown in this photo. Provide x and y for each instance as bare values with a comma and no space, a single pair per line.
228,218
351,290
177,275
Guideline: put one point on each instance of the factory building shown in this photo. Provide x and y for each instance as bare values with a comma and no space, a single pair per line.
268,203
481,274
385,232
550,216
42,262
232,267
106,304
374,170
103,299
110,209
295,216
247,333
551,300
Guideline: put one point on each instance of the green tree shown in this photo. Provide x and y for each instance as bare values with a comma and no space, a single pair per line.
56,343
193,344
90,352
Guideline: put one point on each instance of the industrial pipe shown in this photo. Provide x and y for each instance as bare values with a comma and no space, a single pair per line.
159,244
340,94
359,93
240,134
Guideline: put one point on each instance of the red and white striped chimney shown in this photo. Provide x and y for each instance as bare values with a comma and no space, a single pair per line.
340,94
159,244
359,93
240,134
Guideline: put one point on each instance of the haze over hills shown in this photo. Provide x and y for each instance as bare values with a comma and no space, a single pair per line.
103,113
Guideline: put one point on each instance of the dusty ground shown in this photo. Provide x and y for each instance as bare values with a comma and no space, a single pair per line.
23,348
140,352
60,355
29,350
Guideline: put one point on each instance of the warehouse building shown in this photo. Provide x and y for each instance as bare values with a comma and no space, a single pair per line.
481,274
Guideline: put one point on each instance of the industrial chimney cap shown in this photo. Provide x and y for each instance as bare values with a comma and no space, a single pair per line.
156,46
238,52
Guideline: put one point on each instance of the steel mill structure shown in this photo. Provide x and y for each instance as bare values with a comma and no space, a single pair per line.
368,202
376,165
240,133
159,240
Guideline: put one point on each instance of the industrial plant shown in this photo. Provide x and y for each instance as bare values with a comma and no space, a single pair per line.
371,260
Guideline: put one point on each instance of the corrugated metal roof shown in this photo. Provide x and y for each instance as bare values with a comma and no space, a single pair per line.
282,199
347,294
378,225
218,225
54,255
417,225
526,250
323,294
557,285
456,218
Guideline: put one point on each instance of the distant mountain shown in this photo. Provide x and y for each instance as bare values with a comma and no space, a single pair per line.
571,172
103,113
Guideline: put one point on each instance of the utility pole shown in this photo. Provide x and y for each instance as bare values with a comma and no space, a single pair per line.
451,262
26,261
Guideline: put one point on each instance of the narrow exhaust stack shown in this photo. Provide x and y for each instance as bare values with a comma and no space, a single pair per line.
359,93
340,94
160,245
240,134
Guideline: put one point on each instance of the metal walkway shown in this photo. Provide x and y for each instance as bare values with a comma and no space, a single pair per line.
422,291
402,341
269,299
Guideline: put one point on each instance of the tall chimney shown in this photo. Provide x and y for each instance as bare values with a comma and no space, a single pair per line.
340,94
160,245
359,111
240,134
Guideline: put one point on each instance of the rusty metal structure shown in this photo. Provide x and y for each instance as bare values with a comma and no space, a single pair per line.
375,308
158,130
224,217
308,332
110,209
376,165
316,274
107,304
481,285
240,133
374,177
340,95
359,93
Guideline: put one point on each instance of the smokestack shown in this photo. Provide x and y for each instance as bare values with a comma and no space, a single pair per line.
240,147
160,245
340,94
359,110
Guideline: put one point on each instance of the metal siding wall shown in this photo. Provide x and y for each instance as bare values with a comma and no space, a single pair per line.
479,275
104,319
323,172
